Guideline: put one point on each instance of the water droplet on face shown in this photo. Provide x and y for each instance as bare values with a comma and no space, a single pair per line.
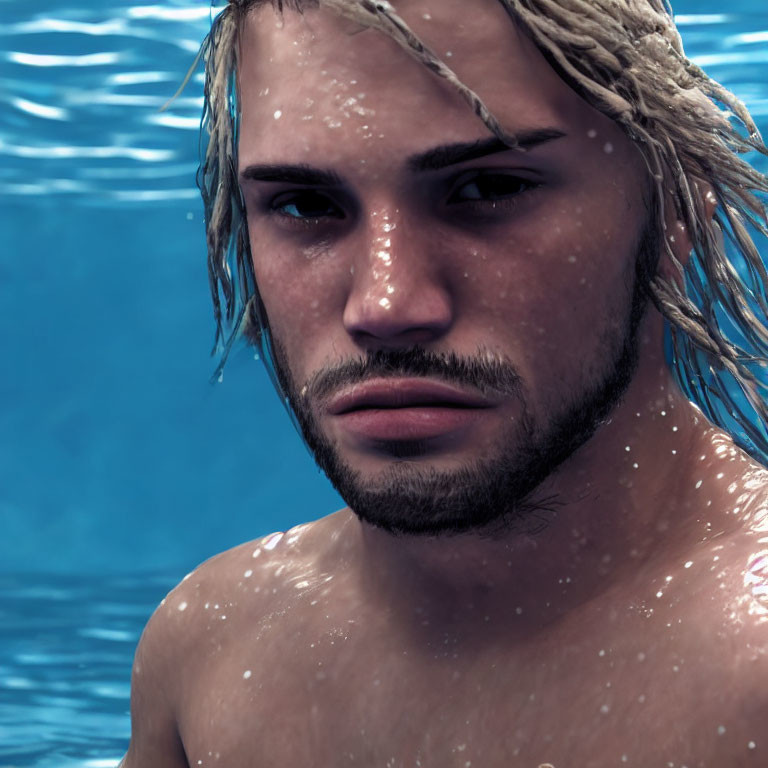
278,114
246,674
385,303
608,148
591,133
183,605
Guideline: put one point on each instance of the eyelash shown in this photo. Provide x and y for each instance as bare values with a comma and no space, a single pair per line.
505,200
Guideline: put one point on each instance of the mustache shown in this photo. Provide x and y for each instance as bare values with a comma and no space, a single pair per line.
483,371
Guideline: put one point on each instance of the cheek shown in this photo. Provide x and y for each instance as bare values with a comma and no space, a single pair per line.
300,297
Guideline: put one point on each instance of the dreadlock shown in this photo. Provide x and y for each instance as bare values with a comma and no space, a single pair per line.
626,59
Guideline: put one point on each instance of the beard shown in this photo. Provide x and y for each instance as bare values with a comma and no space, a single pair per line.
495,492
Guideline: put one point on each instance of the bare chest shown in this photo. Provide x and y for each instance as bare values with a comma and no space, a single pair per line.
353,696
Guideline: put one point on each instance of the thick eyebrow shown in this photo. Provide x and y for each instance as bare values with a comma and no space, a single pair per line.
431,160
452,154
292,174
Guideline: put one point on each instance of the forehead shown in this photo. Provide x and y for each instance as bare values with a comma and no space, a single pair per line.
311,83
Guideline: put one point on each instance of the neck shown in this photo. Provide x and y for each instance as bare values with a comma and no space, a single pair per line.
624,500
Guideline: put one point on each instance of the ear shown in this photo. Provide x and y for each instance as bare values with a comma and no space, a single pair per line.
677,233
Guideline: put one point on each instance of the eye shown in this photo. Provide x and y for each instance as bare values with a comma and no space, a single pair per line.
305,205
489,187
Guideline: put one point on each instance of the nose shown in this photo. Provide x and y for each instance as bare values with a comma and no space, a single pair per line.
397,296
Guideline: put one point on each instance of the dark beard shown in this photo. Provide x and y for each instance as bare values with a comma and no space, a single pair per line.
491,494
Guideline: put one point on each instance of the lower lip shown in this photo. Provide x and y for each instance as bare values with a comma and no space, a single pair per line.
407,423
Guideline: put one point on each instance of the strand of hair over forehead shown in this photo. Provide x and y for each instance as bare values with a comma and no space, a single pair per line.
625,57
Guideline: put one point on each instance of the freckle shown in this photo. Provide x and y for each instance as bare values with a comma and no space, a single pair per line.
183,606
246,674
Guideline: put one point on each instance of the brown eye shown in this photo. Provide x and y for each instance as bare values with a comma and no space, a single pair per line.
306,205
489,187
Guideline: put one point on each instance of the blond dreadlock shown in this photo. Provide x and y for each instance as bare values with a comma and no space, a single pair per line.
626,59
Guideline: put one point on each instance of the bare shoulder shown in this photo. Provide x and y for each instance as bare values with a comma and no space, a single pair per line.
240,585
193,634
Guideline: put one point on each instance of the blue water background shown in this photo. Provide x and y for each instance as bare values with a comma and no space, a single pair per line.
120,467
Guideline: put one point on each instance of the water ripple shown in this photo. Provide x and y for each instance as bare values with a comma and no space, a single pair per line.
66,653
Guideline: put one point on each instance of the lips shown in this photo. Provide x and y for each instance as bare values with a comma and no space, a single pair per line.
392,394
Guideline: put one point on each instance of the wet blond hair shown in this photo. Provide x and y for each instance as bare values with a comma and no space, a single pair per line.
626,59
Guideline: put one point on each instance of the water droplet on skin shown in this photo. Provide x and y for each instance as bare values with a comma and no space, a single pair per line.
605,709
272,542
183,606
720,730
608,148
278,114
591,133
698,483
751,745
627,448
246,674
248,574
385,303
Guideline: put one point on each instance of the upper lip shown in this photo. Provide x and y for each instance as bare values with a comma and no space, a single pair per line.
404,393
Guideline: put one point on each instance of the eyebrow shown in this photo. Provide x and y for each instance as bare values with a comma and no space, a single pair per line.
432,160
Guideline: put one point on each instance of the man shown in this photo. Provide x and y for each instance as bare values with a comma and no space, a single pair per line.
550,557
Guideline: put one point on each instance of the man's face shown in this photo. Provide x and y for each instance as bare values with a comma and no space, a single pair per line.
451,321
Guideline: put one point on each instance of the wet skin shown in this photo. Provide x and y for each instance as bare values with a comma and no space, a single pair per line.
632,629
